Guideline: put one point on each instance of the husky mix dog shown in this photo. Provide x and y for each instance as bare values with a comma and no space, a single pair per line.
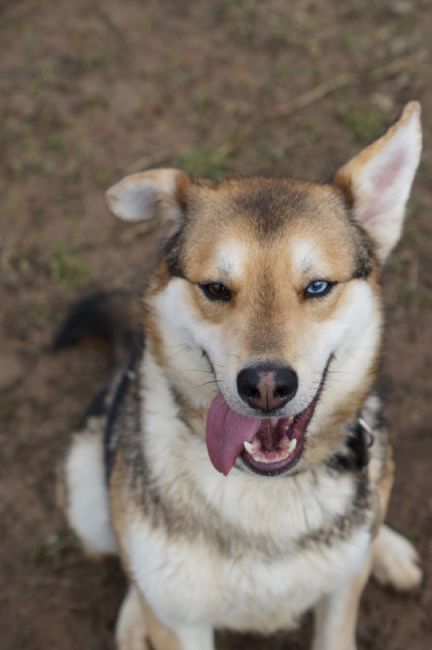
239,466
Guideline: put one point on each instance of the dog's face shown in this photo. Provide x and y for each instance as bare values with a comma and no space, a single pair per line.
274,285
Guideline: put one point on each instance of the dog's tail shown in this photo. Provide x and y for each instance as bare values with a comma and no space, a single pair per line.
112,318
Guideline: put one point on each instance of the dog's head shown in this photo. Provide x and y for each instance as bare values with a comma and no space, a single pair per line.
272,287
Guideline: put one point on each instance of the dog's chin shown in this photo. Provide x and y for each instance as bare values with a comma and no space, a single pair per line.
278,444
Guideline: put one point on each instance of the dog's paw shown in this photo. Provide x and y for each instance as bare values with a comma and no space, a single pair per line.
395,561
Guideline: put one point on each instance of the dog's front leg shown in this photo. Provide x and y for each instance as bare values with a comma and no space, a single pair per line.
336,614
137,624
194,637
132,631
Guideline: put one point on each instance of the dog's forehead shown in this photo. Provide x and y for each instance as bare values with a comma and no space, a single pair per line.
265,205
299,254
239,223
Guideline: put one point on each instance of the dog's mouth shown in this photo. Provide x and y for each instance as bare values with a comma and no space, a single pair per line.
267,446
278,444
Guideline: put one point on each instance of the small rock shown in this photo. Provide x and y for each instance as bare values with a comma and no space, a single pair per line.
383,101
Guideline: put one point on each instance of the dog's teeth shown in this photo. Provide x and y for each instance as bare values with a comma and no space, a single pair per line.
292,445
249,447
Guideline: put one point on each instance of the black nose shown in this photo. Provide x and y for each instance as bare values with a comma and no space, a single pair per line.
266,387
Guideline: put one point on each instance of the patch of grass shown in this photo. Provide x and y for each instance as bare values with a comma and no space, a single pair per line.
286,35
175,73
282,70
54,550
14,133
97,61
45,116
102,178
242,31
22,436
24,267
6,409
44,314
211,163
72,175
413,295
420,399
267,150
66,268
365,122
241,16
15,267
29,36
22,168
73,205
202,103
353,43
56,143
95,101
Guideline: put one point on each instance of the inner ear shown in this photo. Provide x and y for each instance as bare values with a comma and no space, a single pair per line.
158,193
378,180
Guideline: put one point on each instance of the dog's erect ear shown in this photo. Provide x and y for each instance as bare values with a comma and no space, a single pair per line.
156,193
378,180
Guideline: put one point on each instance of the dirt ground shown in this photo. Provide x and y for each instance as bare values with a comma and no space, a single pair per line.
92,90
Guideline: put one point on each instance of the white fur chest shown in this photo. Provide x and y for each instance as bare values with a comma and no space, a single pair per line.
188,581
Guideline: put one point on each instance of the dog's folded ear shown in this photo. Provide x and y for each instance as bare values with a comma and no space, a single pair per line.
157,193
378,180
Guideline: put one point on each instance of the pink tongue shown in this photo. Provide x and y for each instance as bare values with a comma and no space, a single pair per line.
226,431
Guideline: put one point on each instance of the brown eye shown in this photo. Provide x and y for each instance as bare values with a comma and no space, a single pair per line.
216,291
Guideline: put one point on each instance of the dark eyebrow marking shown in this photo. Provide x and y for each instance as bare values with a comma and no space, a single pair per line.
365,256
363,269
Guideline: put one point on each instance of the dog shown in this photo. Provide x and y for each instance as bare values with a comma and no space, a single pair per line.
239,465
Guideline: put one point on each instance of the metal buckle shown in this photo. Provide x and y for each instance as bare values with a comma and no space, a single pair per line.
367,429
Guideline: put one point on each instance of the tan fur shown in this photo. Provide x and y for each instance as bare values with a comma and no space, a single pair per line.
336,630
384,488
161,637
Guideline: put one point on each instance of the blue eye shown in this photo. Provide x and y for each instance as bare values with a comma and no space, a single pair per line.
318,288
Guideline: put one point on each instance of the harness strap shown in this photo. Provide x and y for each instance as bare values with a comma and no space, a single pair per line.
359,440
120,394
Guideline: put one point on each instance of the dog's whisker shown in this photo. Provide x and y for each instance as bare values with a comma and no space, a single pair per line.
207,383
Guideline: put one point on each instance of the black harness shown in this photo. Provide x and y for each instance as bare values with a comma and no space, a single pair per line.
110,433
359,440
